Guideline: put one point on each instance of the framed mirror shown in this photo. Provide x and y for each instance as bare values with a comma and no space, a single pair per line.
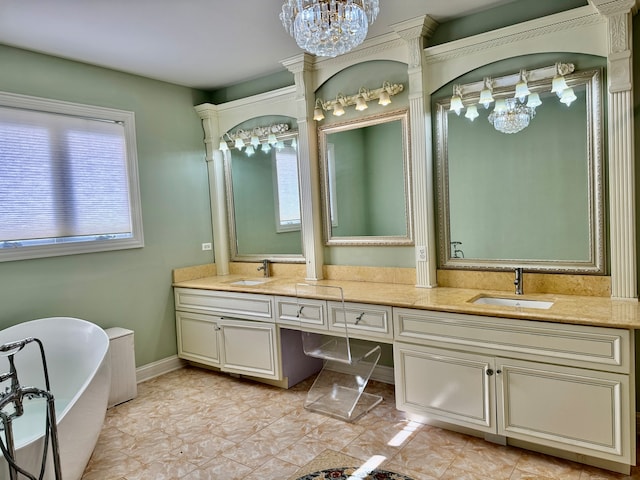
263,200
366,181
531,199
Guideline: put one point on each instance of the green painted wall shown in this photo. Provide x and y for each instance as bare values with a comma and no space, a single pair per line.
129,288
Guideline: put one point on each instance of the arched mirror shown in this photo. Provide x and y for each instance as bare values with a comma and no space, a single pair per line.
366,181
522,192
263,200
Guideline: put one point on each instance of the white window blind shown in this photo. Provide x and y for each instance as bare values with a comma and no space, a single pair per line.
68,179
287,194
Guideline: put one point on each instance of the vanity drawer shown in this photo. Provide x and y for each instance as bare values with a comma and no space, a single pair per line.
312,315
226,304
573,345
363,320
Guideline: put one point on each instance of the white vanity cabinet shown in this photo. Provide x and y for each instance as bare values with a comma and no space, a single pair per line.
566,388
233,331
364,320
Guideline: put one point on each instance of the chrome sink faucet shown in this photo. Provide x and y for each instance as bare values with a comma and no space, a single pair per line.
265,268
519,280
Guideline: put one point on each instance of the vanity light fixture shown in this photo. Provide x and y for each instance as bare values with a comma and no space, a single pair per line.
486,94
318,114
360,100
361,103
559,83
472,112
522,89
456,100
338,106
263,138
512,114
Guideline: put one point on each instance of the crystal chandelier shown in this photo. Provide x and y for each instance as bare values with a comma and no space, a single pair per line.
511,116
328,28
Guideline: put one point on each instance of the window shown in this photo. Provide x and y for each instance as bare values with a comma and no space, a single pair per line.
287,196
68,179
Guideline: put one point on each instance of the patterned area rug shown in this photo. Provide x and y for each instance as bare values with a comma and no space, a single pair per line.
352,473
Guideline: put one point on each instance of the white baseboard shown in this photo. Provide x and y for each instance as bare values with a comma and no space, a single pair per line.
146,372
155,369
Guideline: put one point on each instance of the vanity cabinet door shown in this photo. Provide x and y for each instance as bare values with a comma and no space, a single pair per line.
250,348
446,385
198,338
580,410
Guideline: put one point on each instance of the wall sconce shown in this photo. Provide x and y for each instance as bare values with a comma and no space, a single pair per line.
360,100
486,94
511,115
263,138
318,114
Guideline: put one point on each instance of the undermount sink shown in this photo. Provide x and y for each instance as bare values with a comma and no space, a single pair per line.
513,302
250,282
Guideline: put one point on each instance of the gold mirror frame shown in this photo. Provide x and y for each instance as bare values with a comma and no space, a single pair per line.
323,132
595,264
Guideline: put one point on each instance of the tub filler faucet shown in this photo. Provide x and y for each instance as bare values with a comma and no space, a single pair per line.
519,280
265,267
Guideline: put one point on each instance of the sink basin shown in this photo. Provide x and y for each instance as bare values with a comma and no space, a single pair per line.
513,302
250,282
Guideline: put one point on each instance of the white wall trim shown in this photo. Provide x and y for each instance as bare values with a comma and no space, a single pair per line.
146,372
155,369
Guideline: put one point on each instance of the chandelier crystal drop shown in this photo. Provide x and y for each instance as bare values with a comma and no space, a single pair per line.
514,117
328,28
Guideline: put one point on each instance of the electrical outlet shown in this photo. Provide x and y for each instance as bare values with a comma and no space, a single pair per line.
421,253
206,246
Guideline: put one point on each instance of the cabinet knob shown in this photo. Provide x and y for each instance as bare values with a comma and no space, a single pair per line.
498,372
216,327
489,372
299,311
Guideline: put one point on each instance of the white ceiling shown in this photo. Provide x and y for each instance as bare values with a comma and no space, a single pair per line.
204,44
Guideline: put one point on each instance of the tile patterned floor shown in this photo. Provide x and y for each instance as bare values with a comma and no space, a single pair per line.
195,424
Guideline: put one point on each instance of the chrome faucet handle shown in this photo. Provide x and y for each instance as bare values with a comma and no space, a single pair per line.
265,267
519,280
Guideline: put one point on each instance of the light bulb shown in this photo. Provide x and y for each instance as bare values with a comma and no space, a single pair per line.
534,100
385,98
294,143
558,85
472,112
318,114
522,90
239,143
361,103
486,97
338,109
568,96
255,141
501,105
272,139
223,146
250,150
266,148
456,104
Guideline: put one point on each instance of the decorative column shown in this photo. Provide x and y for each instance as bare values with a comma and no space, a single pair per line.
622,195
215,168
309,171
413,32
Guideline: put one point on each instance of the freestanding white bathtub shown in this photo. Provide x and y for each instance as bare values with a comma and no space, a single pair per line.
80,377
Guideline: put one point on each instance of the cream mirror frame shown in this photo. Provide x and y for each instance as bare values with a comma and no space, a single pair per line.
517,211
347,200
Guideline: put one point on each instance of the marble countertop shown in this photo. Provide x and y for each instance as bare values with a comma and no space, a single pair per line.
574,309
